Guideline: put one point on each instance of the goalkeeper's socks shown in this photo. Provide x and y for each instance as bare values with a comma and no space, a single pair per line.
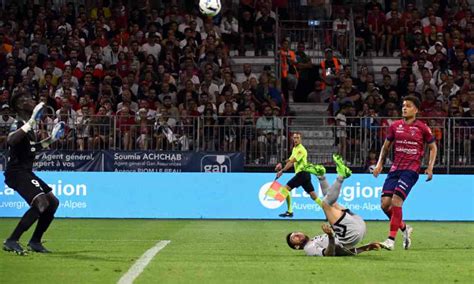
28,219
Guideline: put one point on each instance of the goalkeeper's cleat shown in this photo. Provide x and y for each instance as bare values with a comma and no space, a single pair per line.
37,247
406,236
341,168
286,215
317,170
388,244
13,246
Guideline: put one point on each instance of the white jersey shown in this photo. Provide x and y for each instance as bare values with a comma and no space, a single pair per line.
316,245
349,230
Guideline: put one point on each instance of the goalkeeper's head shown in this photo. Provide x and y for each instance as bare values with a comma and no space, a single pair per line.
22,101
297,240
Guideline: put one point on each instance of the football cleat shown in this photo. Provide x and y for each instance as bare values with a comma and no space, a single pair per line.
37,247
406,236
286,215
341,168
317,170
388,244
13,246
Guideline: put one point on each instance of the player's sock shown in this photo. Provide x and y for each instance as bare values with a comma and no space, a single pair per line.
319,201
44,221
395,221
323,182
333,193
30,216
288,203
389,215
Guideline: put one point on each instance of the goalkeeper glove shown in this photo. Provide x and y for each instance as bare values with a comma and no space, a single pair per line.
35,116
58,131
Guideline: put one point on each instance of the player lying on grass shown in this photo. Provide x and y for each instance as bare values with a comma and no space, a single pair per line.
345,229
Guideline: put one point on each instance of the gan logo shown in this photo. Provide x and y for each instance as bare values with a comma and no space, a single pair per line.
266,201
216,164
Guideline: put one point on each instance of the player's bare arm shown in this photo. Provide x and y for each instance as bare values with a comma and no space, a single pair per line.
367,247
383,155
331,249
433,152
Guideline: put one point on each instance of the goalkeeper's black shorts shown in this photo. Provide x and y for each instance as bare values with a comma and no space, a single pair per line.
27,184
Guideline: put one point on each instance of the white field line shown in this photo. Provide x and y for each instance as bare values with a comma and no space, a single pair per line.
138,267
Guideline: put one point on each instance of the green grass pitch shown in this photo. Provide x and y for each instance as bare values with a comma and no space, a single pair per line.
233,251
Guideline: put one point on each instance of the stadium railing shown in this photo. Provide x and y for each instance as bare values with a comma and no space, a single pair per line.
264,143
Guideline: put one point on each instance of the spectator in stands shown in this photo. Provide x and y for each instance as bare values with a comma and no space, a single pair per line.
265,28
229,29
331,67
425,83
307,73
101,126
6,121
126,127
228,84
395,32
246,74
246,32
376,22
269,131
248,142
289,72
316,95
164,129
230,99
83,129
404,75
340,28
266,93
144,125
362,36
341,133
431,20
228,127
452,87
212,87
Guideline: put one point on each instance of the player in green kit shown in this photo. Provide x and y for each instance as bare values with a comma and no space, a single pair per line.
298,160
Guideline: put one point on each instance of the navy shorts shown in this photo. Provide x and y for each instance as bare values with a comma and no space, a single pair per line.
399,183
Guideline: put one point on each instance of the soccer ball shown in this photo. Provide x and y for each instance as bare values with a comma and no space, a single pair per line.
210,7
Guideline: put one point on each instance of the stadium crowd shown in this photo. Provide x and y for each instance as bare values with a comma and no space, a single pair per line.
163,76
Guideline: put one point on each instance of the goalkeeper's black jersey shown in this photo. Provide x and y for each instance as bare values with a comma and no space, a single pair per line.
20,157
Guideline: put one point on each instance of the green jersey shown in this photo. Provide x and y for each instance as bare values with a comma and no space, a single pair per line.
301,156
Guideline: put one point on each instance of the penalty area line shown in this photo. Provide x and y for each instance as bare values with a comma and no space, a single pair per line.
138,267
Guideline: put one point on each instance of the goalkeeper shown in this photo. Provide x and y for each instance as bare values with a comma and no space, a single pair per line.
346,229
22,148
